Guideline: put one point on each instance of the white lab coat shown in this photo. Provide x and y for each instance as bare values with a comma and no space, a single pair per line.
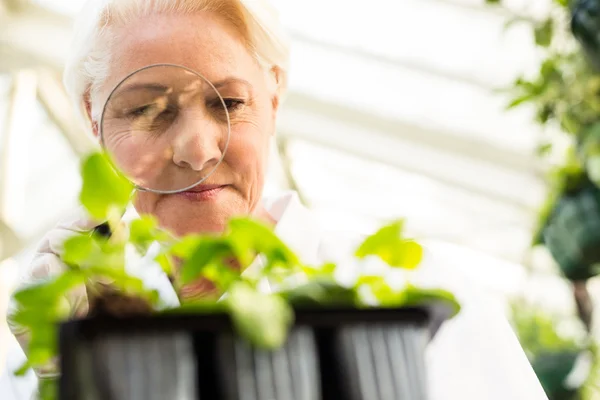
474,356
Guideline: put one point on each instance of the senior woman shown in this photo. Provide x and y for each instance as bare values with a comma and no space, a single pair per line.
240,44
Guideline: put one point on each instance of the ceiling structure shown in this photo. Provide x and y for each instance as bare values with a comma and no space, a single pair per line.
389,115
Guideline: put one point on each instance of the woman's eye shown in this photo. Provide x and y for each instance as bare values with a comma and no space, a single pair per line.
152,111
233,104
140,111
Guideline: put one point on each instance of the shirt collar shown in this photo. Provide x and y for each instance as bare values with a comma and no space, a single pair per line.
296,225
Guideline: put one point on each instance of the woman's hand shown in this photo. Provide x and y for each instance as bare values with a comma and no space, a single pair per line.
47,262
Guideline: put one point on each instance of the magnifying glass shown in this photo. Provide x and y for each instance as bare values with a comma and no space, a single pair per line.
165,128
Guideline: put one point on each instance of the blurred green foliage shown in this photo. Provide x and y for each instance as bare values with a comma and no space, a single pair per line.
553,354
538,331
564,93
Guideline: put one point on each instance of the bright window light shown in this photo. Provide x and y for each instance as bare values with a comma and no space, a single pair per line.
67,7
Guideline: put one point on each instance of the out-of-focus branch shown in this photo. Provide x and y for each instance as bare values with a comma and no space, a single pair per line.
54,99
583,300
16,138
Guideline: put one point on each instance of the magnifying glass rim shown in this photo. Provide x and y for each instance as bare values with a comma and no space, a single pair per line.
143,189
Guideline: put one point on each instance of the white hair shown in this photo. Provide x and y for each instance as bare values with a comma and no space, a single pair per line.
87,66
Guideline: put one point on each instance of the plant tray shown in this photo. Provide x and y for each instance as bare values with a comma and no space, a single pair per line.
341,354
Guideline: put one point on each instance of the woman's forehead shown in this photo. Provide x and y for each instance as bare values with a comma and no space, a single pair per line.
202,42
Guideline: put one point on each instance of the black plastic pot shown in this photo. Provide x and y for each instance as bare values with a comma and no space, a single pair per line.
572,234
371,354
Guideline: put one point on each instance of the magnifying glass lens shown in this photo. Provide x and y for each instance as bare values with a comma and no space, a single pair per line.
166,128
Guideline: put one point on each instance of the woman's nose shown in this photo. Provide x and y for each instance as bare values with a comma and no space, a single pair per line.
196,144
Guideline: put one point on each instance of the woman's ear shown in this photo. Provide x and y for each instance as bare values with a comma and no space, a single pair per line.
88,111
276,75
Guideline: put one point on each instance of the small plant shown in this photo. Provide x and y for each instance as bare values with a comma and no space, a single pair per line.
98,262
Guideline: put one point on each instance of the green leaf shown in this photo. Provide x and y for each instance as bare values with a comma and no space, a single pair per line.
243,241
310,271
77,250
520,100
412,255
569,123
263,319
103,189
23,369
44,349
538,330
48,291
39,309
409,296
389,245
247,234
186,246
563,3
381,240
48,389
544,149
35,318
222,276
87,251
321,292
543,33
198,306
590,137
123,282
328,269
371,280
207,252
380,289
528,87
166,263
145,231
414,296
549,70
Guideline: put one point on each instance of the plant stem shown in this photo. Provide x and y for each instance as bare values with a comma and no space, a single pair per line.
585,306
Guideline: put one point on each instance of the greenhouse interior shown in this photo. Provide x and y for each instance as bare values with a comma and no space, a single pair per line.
473,121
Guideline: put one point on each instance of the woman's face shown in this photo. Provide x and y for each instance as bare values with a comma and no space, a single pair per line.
207,44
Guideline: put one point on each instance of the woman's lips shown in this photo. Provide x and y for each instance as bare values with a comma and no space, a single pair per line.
203,193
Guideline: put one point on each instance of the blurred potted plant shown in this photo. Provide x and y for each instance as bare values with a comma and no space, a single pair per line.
569,226
302,339
562,362
564,93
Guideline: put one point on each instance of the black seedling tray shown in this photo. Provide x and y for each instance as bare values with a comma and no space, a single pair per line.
341,354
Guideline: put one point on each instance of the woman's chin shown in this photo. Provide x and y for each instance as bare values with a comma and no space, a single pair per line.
186,226
183,216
